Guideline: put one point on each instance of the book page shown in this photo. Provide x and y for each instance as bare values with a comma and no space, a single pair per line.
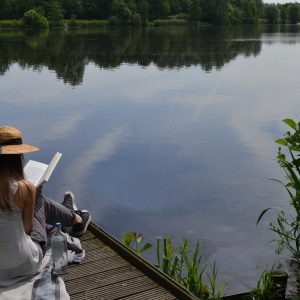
34,171
45,177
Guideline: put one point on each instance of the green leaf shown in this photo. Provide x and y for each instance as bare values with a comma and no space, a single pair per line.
281,157
176,260
291,123
262,214
295,148
139,239
127,238
296,162
294,177
145,247
282,142
158,251
284,185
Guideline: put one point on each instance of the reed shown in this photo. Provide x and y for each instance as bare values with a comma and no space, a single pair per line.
185,266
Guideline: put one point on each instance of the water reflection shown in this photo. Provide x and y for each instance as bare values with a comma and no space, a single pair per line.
164,131
68,52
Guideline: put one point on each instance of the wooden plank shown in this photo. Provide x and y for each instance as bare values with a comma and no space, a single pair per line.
95,267
141,264
117,290
87,236
242,296
102,279
96,254
94,243
154,294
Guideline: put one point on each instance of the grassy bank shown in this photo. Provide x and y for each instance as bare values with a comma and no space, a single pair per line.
85,23
166,22
11,23
64,23
92,23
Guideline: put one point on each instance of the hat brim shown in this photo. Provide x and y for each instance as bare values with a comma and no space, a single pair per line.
18,149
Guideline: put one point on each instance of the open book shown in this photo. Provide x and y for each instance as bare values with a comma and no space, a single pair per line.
38,173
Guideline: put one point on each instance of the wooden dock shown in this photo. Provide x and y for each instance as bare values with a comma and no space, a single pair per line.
112,271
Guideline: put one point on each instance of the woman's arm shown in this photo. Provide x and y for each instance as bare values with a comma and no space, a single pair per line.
25,196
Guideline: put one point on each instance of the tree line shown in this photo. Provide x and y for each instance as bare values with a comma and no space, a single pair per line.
135,12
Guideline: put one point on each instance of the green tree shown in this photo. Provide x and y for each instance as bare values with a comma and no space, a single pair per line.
248,8
96,9
121,11
259,8
54,11
293,13
216,11
185,6
271,13
143,9
283,13
51,9
195,10
235,15
175,7
5,9
159,9
131,5
72,8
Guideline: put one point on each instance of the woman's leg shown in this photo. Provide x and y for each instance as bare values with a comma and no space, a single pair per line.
48,212
56,212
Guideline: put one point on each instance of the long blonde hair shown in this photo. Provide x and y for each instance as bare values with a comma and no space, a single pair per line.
11,168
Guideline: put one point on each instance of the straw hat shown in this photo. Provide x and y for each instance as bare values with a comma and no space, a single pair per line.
11,141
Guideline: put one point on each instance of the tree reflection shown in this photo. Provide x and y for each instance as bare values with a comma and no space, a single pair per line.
68,52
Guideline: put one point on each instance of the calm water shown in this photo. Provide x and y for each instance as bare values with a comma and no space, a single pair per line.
166,131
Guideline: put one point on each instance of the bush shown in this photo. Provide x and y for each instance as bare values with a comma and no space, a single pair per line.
136,19
35,20
114,20
287,226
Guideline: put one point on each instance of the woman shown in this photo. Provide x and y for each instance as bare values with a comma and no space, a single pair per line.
25,214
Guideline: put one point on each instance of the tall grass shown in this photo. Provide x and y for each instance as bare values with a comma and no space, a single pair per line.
185,266
181,263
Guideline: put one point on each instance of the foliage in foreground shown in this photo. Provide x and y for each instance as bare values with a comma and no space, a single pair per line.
181,263
133,240
287,226
266,288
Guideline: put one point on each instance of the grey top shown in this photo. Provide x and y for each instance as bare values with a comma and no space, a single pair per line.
20,256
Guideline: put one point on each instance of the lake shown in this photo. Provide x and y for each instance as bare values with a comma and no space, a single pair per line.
164,131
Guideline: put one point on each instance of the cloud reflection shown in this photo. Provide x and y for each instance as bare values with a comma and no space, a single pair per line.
100,151
64,127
